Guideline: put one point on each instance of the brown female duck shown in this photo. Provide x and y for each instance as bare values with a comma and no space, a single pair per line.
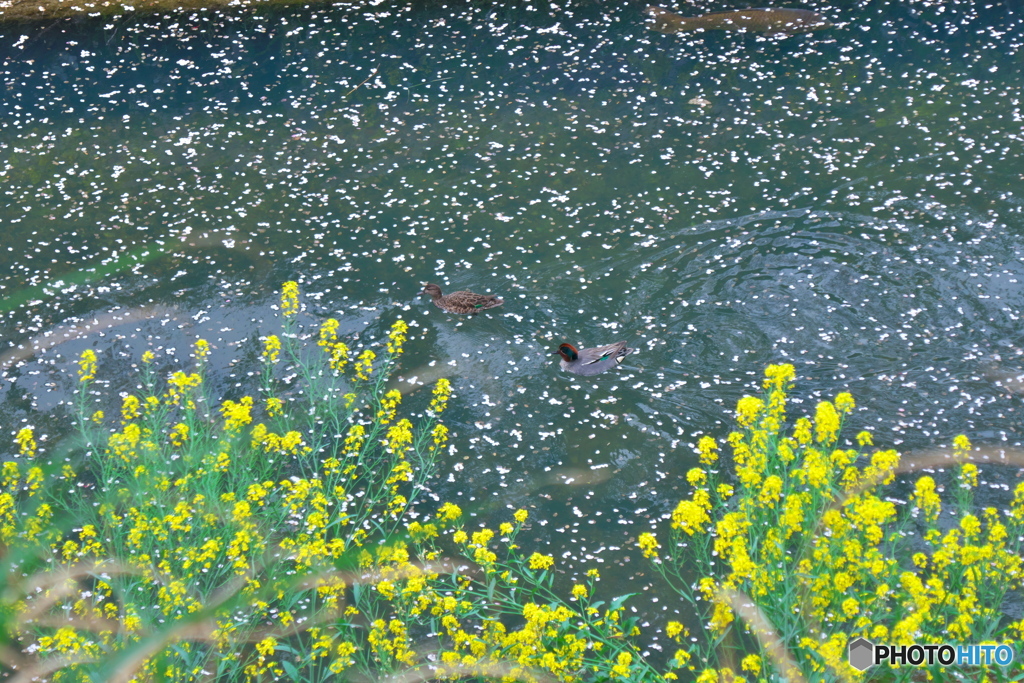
464,302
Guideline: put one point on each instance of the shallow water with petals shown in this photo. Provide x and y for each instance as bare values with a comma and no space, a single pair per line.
848,201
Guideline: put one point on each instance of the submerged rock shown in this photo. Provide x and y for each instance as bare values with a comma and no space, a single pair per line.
771,21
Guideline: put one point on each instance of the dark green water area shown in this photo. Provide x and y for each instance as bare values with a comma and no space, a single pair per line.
848,201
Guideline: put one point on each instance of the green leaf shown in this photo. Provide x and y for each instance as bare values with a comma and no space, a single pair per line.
618,602
290,669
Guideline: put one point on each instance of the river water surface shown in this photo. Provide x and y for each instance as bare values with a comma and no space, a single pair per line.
848,201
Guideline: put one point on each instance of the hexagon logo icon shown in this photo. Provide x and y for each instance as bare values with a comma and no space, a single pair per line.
861,654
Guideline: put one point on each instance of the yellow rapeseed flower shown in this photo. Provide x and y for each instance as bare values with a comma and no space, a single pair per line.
771,491
748,409
968,475
267,646
290,298
621,667
648,543
961,447
482,537
130,407
87,365
708,449
721,617
337,351
275,406
778,376
26,442
690,516
271,348
201,349
449,512
681,658
883,467
389,406
1017,506
971,526
538,561
328,332
397,337
926,499
179,383
675,630
364,364
236,414
696,476
802,431
440,437
442,392
179,434
793,507
826,422
845,403
751,663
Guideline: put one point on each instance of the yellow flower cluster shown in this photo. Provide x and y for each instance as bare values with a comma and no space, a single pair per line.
389,406
290,299
26,442
397,337
289,443
691,516
708,449
648,544
179,384
538,561
87,365
440,437
208,525
364,364
201,350
271,348
442,393
236,415
806,524
130,408
337,351
179,434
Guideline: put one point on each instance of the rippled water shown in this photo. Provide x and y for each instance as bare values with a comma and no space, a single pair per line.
848,201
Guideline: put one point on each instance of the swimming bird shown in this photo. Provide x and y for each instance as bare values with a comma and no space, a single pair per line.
773,21
466,303
592,361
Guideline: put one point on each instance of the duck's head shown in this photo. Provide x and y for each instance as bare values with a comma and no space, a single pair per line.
568,352
433,290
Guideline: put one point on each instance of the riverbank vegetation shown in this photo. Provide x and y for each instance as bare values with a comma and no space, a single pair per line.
284,534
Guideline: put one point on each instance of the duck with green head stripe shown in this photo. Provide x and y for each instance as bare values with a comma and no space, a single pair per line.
592,361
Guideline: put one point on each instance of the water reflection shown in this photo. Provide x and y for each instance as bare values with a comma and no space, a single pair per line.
846,201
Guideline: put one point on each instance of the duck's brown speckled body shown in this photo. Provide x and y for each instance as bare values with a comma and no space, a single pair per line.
464,302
